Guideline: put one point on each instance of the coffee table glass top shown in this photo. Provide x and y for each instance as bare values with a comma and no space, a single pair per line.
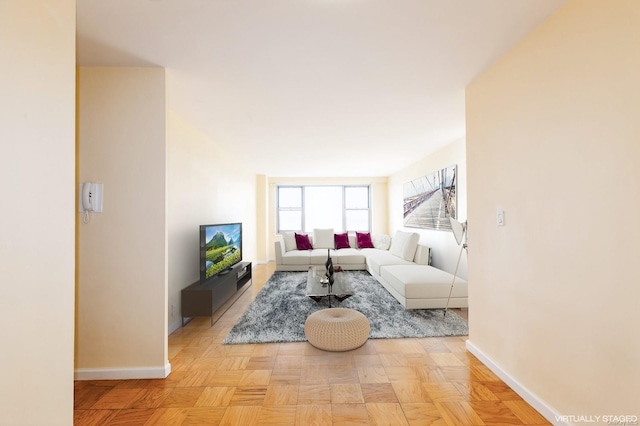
341,288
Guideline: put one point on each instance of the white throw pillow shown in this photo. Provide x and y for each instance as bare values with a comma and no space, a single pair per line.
289,239
397,242
404,245
409,250
323,238
381,241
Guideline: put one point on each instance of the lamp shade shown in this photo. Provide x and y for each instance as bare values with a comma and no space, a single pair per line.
459,229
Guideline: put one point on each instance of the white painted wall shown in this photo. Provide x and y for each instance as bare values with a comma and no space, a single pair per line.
553,138
205,185
37,189
122,252
445,250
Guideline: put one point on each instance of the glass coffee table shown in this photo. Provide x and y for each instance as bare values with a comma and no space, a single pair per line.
341,289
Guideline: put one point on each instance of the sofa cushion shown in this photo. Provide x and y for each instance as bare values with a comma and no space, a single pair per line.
422,282
377,258
289,239
296,257
404,244
341,241
371,251
381,241
363,240
352,240
323,238
302,242
349,256
319,256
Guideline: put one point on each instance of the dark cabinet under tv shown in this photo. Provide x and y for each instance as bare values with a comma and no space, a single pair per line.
205,299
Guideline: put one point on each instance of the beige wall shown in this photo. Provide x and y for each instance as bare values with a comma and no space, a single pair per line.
205,185
262,218
553,138
445,249
379,217
122,252
37,189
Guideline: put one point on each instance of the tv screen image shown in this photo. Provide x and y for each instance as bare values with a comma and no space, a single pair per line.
220,248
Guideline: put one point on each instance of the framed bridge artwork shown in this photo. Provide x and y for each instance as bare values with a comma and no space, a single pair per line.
430,200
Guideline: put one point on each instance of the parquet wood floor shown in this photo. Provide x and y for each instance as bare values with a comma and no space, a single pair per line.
430,381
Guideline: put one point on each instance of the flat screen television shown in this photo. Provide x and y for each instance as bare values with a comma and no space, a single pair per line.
220,248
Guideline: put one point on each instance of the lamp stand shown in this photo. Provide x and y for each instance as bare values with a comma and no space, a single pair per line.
455,273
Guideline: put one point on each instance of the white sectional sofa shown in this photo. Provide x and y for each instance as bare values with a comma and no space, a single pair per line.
400,264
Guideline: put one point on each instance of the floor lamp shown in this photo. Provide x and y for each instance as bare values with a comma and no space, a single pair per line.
460,233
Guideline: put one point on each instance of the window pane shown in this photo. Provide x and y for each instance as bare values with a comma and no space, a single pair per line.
289,197
323,207
290,220
357,220
343,208
356,197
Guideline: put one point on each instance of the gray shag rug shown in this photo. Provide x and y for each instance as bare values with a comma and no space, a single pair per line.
280,309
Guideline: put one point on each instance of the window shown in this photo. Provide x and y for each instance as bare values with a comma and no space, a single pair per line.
322,207
356,208
303,208
290,207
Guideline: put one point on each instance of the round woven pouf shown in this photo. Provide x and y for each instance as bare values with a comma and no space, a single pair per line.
337,329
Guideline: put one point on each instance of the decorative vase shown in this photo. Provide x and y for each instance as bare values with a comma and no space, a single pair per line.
329,265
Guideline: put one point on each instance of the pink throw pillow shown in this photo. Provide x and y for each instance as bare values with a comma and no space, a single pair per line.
363,240
341,240
302,242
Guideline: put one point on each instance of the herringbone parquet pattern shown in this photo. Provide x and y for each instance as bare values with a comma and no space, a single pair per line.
431,381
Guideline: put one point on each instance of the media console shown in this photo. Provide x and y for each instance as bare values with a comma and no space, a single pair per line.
204,299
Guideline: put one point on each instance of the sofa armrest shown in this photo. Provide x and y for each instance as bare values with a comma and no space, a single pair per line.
423,255
279,246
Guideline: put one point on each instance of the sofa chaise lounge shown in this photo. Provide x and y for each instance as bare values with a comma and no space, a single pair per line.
400,264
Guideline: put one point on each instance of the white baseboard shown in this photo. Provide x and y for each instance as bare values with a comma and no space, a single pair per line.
173,327
123,373
542,407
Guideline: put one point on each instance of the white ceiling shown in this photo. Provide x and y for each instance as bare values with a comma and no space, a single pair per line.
313,87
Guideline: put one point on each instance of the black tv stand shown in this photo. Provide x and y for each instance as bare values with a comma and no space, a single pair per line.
214,296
